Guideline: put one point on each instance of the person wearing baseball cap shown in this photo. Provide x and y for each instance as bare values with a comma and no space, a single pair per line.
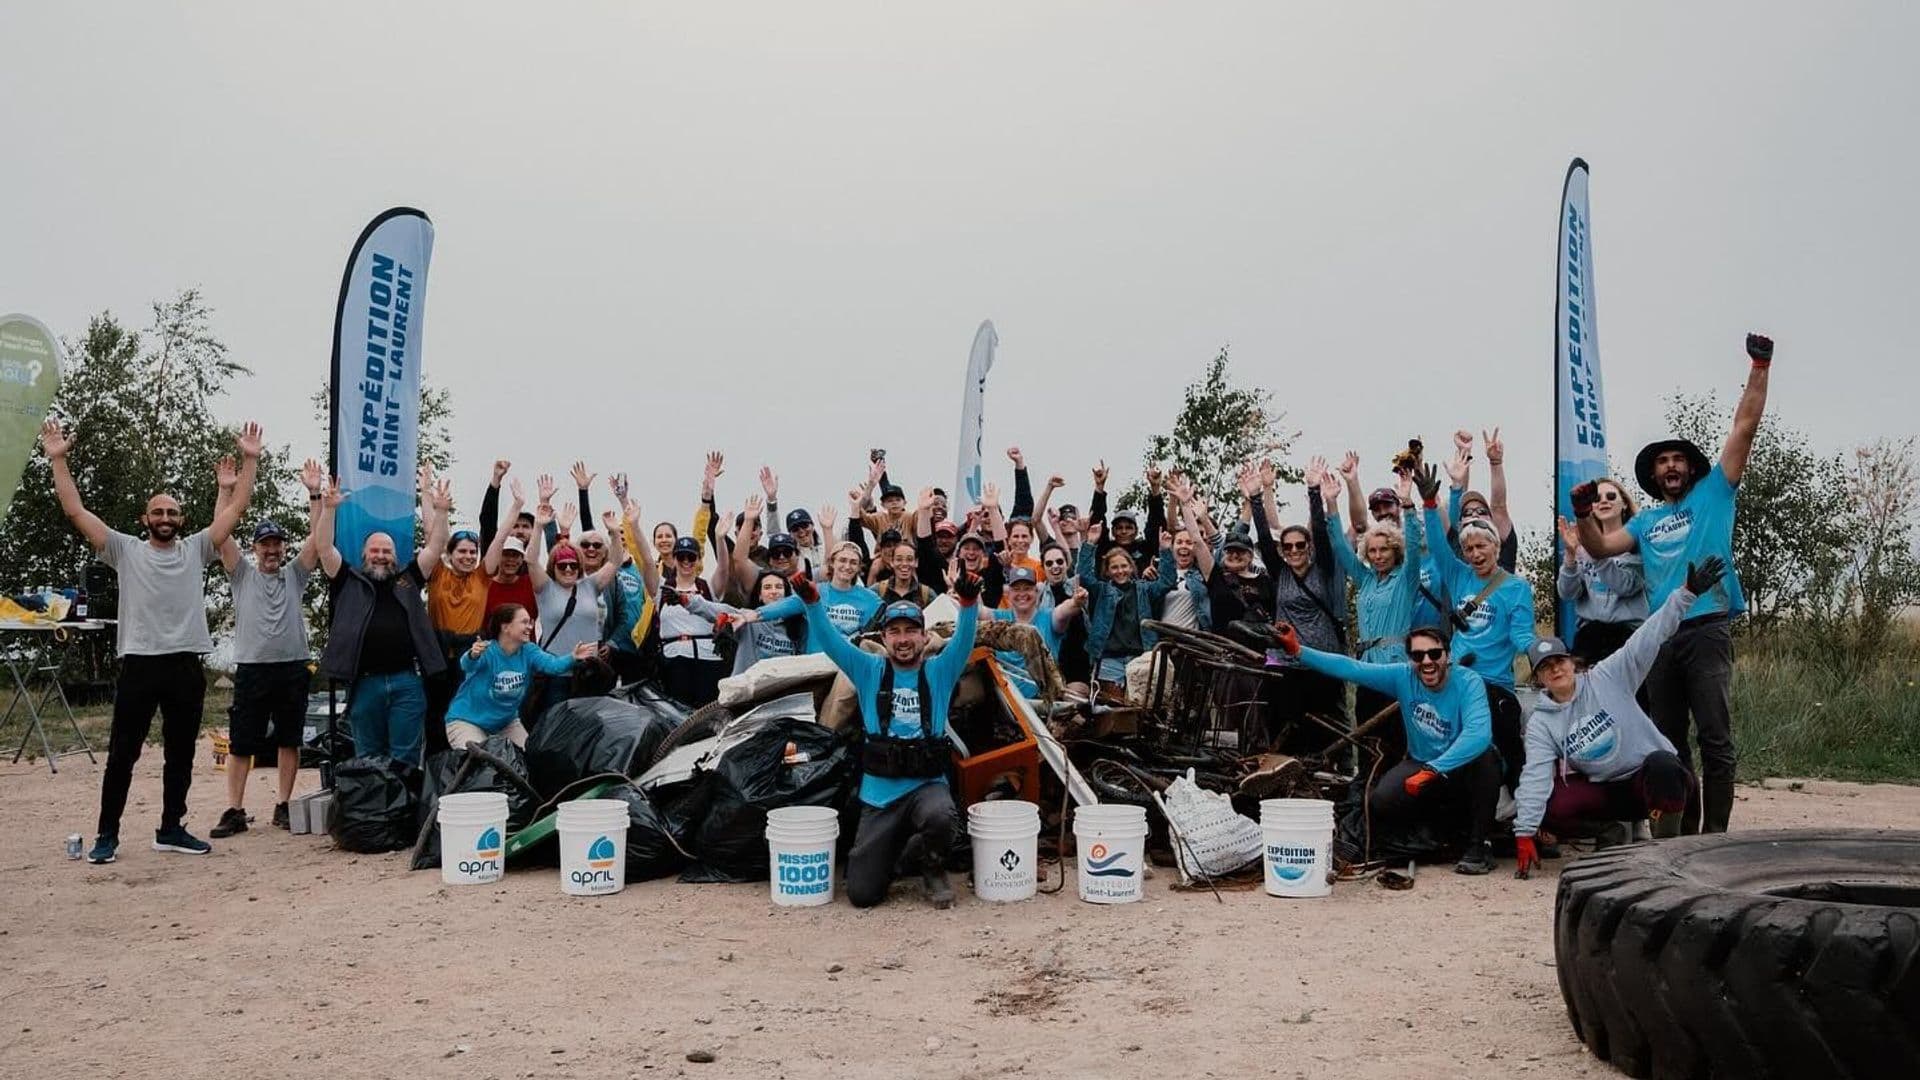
847,604
934,539
806,538
1051,623
505,562
1594,759
1691,681
690,666
907,813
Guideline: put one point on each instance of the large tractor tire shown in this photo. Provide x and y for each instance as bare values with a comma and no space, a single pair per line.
1750,955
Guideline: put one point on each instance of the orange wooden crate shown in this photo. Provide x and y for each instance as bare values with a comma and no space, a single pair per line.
979,772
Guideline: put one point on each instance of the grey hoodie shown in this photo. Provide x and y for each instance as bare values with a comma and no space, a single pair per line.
1602,733
1612,590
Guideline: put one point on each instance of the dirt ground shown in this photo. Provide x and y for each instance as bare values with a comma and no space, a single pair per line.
278,956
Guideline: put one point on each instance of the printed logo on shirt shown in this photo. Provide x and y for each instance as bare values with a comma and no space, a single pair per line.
1477,616
1668,536
906,711
1428,719
507,685
1592,738
845,618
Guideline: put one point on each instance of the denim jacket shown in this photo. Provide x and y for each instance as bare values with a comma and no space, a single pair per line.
1106,598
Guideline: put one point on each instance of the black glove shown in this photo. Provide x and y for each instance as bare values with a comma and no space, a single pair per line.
967,588
1428,481
1705,574
1760,349
1584,496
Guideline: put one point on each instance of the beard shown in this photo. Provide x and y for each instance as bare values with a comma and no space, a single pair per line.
164,530
377,573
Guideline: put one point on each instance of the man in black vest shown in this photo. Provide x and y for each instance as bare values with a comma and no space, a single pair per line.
381,640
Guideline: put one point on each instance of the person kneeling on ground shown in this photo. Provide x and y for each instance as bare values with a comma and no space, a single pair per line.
499,669
1450,756
907,813
1613,764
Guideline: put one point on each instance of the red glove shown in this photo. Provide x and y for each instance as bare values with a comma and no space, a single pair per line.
1528,857
722,621
1420,780
804,588
1287,637
1584,496
1760,350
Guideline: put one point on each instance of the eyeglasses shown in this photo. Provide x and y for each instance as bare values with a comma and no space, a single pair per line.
1297,545
1426,654
573,566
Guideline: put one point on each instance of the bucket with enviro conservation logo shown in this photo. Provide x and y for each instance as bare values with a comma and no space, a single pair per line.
1006,847
593,846
1112,840
473,831
800,841
1297,846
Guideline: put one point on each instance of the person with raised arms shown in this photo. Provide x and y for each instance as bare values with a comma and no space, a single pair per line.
1451,765
1609,596
161,637
1387,583
499,669
907,813
1693,676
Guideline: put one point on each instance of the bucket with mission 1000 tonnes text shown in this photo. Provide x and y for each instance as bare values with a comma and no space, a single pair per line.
800,841
593,846
1112,840
1006,849
1297,846
473,830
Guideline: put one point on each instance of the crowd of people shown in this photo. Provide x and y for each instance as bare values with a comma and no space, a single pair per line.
485,627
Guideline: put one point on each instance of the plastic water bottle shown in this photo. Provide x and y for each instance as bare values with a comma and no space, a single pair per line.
75,843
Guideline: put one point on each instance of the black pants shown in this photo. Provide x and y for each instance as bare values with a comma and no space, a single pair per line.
692,682
1693,676
1595,641
1472,789
176,685
926,813
1509,734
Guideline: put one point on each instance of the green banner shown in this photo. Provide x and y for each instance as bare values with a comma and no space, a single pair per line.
29,378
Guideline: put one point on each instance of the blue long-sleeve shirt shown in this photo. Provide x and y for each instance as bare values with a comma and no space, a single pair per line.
496,682
1446,728
1385,601
865,670
1499,627
847,610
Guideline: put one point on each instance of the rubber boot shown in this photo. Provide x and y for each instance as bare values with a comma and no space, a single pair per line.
1719,804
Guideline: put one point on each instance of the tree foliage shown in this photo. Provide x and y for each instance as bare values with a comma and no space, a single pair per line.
140,405
1220,427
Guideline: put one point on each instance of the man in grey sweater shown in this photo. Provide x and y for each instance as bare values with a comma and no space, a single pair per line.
1592,754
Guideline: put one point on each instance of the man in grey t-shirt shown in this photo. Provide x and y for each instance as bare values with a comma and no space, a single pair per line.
270,678
162,635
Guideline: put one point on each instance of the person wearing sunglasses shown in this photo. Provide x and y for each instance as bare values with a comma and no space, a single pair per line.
1451,771
690,666
1076,670
1594,759
1387,584
568,600
1025,609
847,605
1609,596
1465,505
757,638
1310,592
1118,605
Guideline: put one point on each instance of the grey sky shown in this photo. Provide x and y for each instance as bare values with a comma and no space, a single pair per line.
773,228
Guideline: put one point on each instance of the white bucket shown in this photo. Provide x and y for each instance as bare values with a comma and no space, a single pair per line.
800,841
1297,848
1006,849
473,837
593,847
1112,840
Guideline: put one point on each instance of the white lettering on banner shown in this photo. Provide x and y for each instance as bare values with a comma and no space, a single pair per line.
383,382
1590,427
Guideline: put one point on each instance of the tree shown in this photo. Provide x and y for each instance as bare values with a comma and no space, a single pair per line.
1864,589
1220,427
141,408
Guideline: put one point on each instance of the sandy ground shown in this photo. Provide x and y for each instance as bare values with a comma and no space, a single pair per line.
278,956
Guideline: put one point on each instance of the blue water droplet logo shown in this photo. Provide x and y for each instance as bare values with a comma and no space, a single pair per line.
489,840
601,850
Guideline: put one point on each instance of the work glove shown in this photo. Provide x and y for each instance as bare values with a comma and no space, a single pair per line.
1420,780
1527,856
1584,496
967,587
670,596
1705,574
1428,481
1760,349
721,622
1287,638
804,588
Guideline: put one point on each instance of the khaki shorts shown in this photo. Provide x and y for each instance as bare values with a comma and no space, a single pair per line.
460,733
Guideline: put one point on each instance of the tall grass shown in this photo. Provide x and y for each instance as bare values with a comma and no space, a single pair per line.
1798,712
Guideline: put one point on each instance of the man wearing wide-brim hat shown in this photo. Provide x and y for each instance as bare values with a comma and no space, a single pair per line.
1691,520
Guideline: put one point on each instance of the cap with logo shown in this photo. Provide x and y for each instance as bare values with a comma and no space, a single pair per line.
686,545
797,519
782,542
1544,649
903,611
268,530
1021,574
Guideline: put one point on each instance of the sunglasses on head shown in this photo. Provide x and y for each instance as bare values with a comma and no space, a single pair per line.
1426,654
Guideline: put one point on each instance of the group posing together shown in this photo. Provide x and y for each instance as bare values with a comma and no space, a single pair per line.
483,628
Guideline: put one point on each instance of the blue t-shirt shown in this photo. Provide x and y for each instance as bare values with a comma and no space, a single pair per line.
1014,665
847,610
489,698
1446,728
1671,535
1499,627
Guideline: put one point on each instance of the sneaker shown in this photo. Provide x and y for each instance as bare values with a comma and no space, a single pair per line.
232,820
939,889
180,840
280,820
104,846
1613,835
1478,860
1642,831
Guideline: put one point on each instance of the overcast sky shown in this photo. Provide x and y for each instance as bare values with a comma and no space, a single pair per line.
773,228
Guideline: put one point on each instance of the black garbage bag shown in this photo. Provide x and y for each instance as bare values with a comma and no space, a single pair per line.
503,768
653,851
588,736
375,804
650,697
1431,838
723,817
